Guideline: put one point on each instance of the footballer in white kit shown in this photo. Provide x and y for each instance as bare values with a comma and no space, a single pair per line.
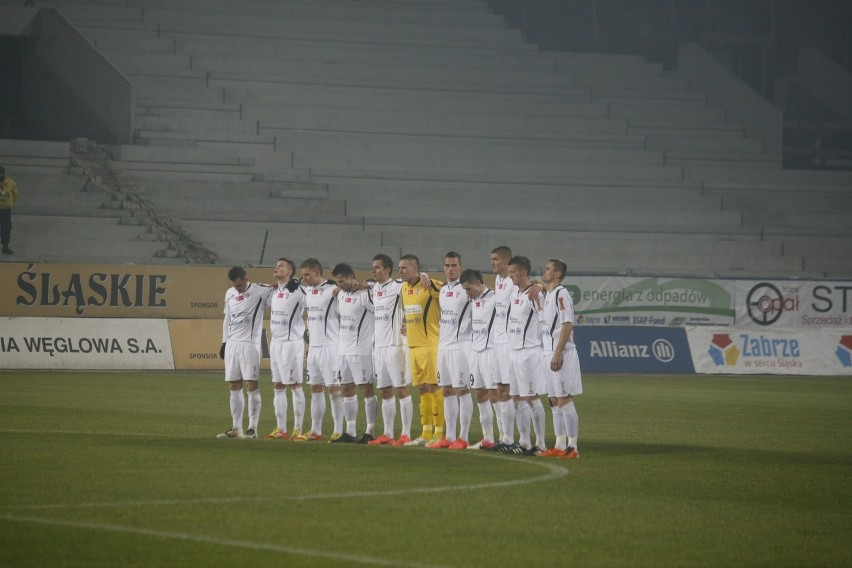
287,347
483,361
524,332
389,343
560,363
242,327
393,375
323,334
527,375
355,350
454,337
504,292
557,310
453,353
321,308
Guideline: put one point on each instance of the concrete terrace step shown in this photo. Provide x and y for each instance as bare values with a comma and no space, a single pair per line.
34,149
50,184
64,227
224,208
245,190
614,175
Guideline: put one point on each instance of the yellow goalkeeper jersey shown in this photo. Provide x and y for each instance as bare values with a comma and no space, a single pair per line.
422,313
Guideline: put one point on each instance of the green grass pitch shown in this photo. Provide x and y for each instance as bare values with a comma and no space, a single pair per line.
123,469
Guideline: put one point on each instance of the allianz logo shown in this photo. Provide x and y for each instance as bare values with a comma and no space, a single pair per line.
661,350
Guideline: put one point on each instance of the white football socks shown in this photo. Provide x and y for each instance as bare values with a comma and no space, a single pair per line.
279,403
238,405
523,419
406,414
389,415
371,410
539,419
298,408
486,420
508,413
451,416
465,415
254,408
350,413
317,411
337,411
572,423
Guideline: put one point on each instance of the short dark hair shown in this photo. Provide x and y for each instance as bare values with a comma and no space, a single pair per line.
2,171
503,251
521,261
342,269
289,263
453,254
386,261
312,263
411,257
560,265
236,272
470,275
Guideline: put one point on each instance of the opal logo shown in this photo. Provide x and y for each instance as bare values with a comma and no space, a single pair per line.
765,303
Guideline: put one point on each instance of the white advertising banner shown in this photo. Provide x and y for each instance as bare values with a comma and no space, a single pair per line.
792,304
85,343
625,301
770,351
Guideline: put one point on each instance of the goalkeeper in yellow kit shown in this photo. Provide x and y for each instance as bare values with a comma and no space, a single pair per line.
422,321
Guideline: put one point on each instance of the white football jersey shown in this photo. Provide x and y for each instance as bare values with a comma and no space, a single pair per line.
244,313
285,319
322,314
504,290
556,309
483,315
356,323
524,324
387,304
455,316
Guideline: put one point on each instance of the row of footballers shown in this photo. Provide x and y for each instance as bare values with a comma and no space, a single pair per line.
510,344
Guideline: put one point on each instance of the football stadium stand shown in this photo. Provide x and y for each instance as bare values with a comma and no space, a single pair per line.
344,128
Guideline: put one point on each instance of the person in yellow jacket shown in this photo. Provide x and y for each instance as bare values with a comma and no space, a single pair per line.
9,194
422,324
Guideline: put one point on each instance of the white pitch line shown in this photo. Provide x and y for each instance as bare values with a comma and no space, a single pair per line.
258,546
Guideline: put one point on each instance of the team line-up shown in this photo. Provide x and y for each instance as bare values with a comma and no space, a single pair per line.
510,344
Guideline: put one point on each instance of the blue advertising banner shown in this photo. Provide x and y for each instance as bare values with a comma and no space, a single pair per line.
613,349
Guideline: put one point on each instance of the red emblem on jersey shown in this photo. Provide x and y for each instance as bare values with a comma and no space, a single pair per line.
280,294
410,292
478,304
449,294
500,286
348,300
240,298
562,304
379,294
315,292
517,300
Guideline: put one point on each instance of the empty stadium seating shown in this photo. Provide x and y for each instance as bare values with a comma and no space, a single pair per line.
340,129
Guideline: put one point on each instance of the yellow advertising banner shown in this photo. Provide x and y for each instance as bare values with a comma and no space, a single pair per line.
195,344
116,290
